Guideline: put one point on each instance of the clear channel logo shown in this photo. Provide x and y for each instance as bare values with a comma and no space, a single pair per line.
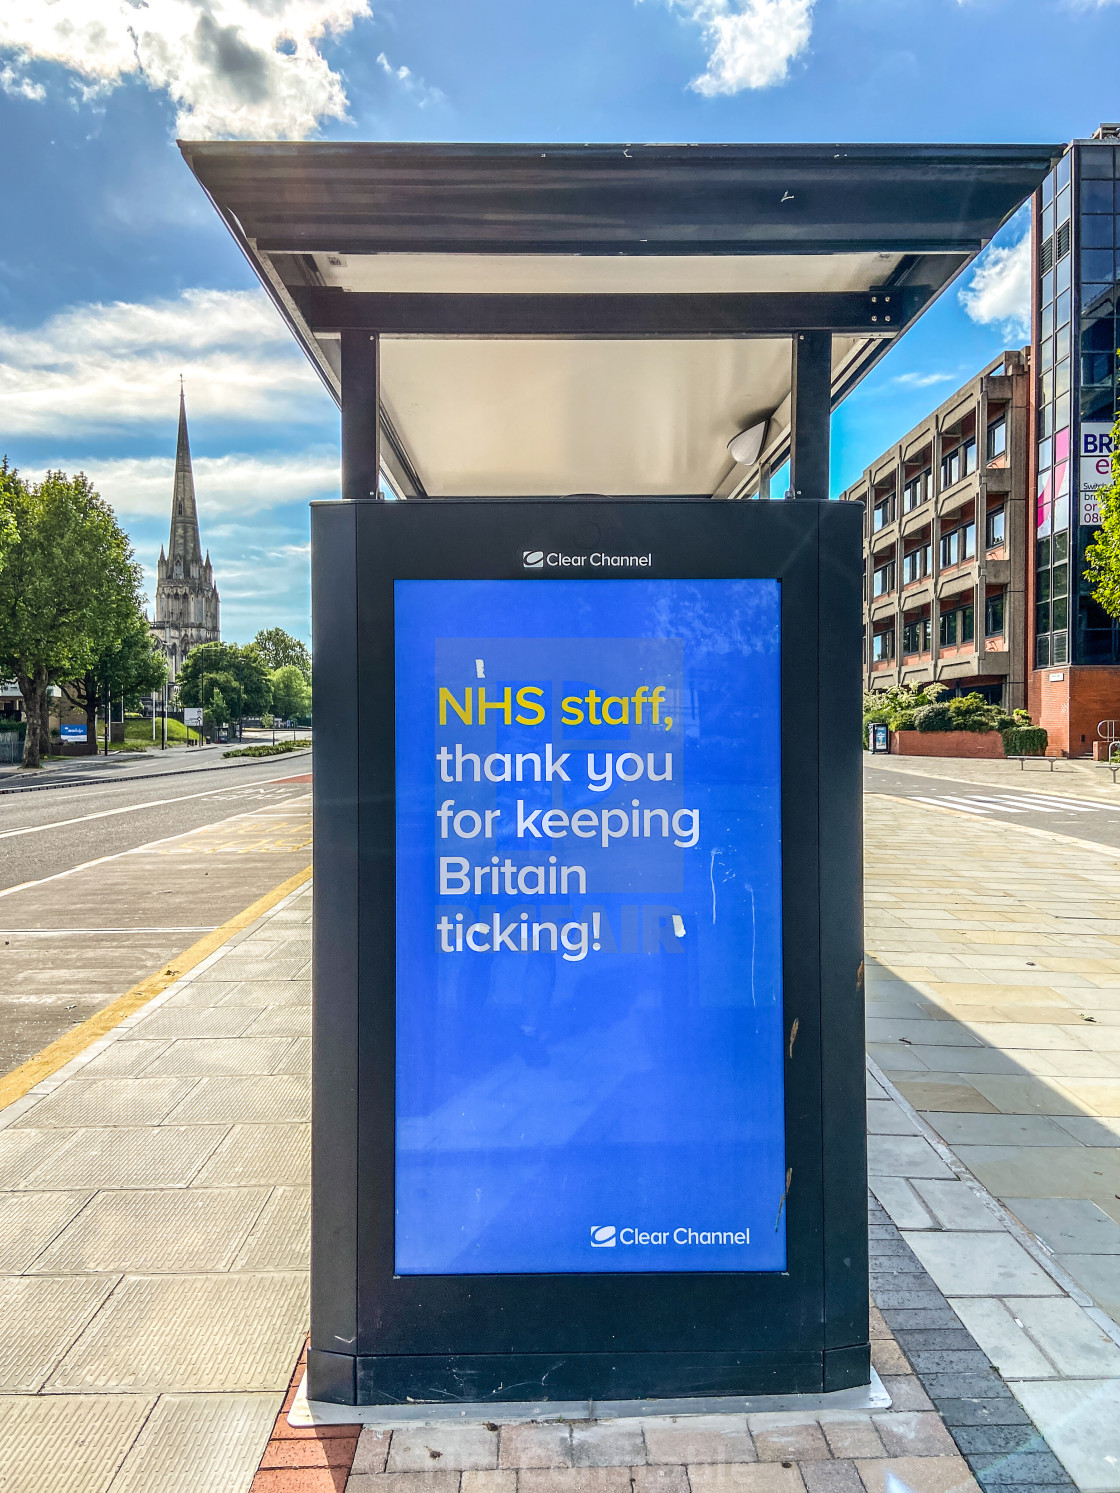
609,1236
533,559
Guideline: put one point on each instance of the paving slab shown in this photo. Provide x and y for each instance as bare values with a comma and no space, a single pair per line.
67,1444
125,1156
198,1444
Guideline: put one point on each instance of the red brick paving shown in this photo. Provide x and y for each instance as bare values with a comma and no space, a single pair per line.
315,1459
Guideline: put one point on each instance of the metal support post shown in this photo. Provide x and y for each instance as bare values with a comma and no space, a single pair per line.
764,480
811,412
361,386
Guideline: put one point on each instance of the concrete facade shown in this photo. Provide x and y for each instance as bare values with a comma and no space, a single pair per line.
946,543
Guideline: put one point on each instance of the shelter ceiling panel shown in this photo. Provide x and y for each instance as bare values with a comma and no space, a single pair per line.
526,419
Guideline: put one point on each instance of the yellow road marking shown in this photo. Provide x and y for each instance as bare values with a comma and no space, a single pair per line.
57,1054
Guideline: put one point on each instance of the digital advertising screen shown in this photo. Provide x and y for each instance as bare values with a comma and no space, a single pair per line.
589,1032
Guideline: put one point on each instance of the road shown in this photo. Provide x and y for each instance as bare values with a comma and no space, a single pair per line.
57,828
109,870
1041,803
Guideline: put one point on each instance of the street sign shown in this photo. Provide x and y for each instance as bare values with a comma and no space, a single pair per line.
589,875
192,715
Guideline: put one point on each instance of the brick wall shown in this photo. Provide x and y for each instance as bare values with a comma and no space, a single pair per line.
946,744
1071,706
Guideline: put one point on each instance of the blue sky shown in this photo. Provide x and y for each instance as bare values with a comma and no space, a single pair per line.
116,276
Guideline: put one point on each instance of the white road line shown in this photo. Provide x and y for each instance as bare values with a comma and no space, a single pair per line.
967,804
156,803
66,932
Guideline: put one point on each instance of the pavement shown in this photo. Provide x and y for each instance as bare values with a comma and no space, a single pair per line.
153,1223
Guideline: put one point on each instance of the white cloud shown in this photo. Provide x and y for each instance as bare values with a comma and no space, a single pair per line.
238,484
411,84
244,68
100,368
751,42
923,380
999,290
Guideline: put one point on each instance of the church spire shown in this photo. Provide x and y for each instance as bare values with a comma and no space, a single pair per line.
185,547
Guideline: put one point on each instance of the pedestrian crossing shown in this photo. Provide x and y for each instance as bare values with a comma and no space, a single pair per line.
1010,803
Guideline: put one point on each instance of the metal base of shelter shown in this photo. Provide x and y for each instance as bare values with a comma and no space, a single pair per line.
304,1412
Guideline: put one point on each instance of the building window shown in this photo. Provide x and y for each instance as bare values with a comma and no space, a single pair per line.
916,491
993,616
958,626
968,456
968,541
883,580
951,468
950,548
915,565
881,514
997,438
882,646
948,629
996,528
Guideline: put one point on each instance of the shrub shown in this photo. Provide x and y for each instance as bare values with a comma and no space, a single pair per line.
1025,741
902,720
267,749
936,717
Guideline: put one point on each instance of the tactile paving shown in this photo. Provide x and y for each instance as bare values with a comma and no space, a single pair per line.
281,1237
22,1151
190,1021
279,965
297,1059
260,1155
28,1223
123,1059
247,1100
176,1231
282,1021
66,1443
107,1101
263,993
204,1056
129,1156
191,1332
209,1443
203,993
41,1317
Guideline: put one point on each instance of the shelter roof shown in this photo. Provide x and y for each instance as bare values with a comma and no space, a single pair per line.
603,318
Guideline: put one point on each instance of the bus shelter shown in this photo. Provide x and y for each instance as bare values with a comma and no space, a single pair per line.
588,1065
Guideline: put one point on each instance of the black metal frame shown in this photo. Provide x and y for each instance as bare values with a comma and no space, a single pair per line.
379,1338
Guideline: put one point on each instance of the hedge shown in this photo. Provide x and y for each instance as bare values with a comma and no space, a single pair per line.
1025,741
268,749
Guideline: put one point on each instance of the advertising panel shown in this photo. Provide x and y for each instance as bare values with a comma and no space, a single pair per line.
1095,468
589,1039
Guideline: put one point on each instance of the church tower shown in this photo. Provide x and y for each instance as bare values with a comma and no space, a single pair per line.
186,597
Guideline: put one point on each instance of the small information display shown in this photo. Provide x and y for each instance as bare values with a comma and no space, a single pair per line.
589,1063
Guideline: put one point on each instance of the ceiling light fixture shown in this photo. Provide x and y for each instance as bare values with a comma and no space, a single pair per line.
744,447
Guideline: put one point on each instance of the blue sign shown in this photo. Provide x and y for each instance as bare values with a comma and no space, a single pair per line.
589,1000
73,733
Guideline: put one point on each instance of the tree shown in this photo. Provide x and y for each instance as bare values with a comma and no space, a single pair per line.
130,666
66,590
1102,557
278,649
7,516
291,693
238,676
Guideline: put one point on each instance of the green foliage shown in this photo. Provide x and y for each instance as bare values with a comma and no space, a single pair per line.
228,681
291,693
966,713
1103,556
1025,741
68,587
896,707
267,749
936,717
279,649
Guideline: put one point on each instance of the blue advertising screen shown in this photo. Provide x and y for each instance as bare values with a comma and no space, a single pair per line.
589,1000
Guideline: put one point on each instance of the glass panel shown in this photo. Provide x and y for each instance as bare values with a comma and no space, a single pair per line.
1061,380
1060,582
1061,412
968,624
1042,617
1097,334
1096,231
1059,651
1096,196
1094,297
997,438
1042,553
969,541
1061,275
1096,264
1096,161
1063,304
993,616
1061,547
1048,189
1044,449
1046,355
1048,221
1045,421
1060,615
1041,652
1097,402
996,528
1096,368
1048,287
1061,202
1061,510
1042,589
1047,323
